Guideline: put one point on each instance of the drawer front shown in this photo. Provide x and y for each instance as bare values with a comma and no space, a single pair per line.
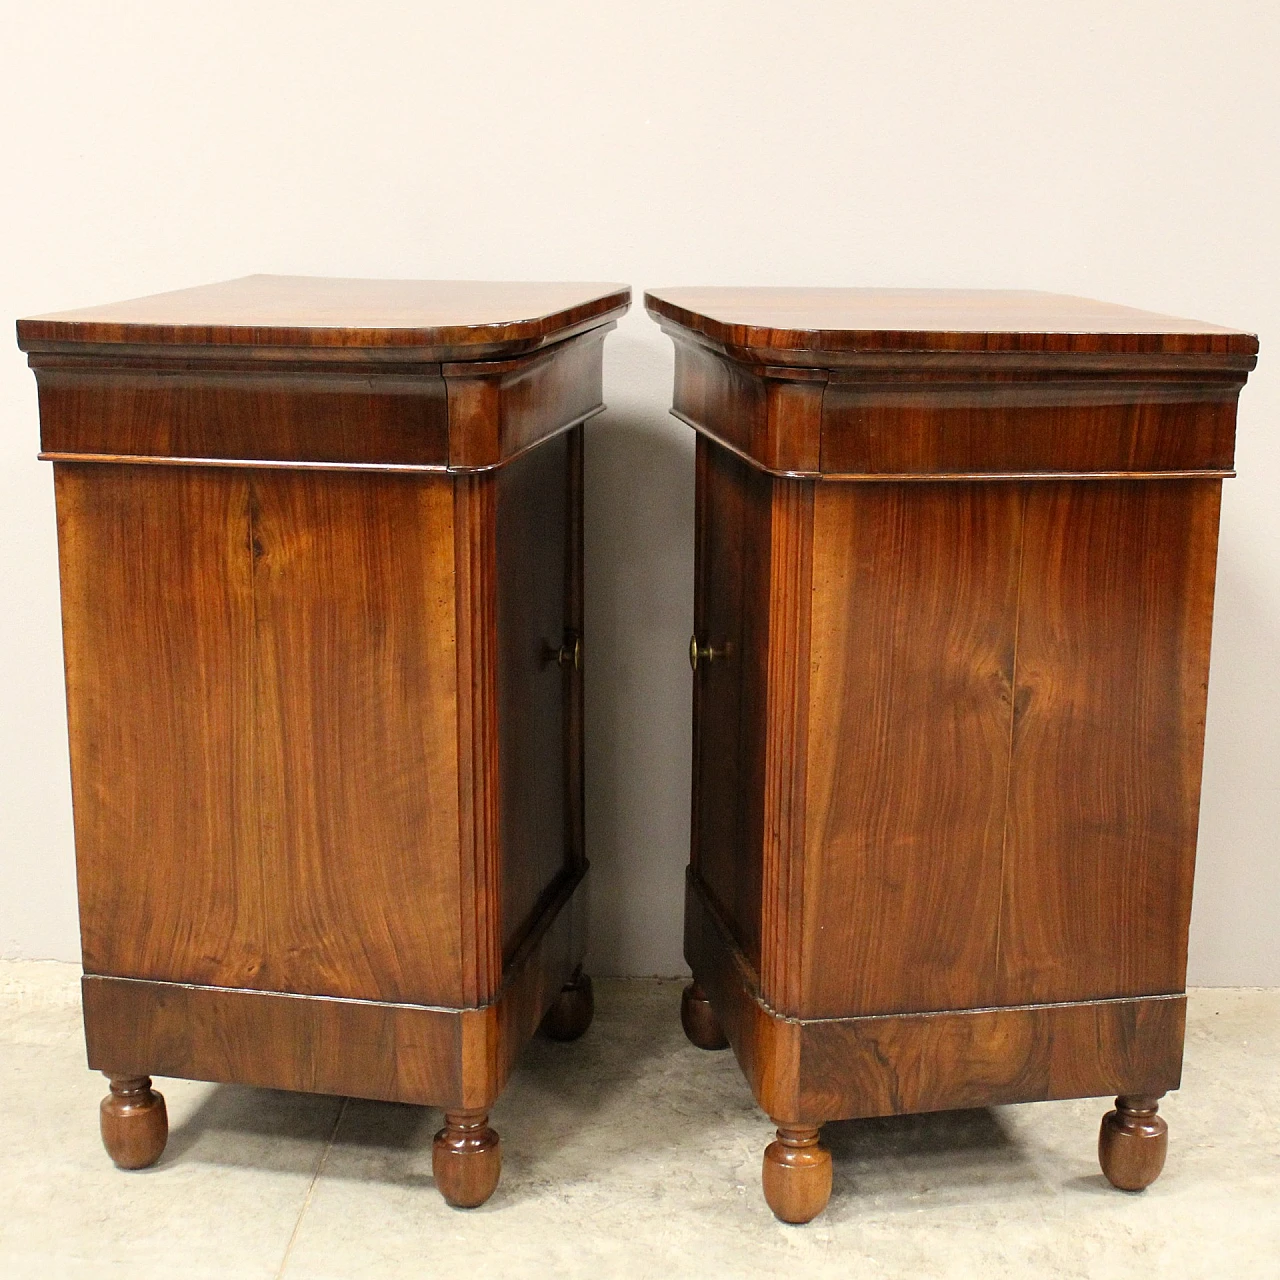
286,417
1015,429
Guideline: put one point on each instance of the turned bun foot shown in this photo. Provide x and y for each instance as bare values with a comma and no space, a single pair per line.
135,1124
699,1020
797,1175
466,1158
574,1007
1132,1143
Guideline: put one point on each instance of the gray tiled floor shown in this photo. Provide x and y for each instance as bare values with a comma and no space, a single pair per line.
629,1153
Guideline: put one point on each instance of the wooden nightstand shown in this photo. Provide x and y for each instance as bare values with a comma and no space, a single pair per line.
955,567
321,560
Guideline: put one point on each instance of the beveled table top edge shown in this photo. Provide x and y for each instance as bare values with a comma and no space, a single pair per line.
448,318
781,325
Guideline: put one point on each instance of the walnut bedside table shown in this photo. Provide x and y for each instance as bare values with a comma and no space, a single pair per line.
955,569
321,561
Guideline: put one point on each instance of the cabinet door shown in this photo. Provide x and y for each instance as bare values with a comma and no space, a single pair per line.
539,619
731,611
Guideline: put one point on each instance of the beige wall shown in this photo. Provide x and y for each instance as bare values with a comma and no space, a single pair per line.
1122,150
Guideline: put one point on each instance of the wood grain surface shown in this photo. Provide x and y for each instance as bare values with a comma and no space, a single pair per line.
1006,734
834,319
788,686
858,1067
813,1070
454,319
1009,385
259,800
1026,427
457,417
949,726
731,576
232,416
774,421
321,566
1112,676
498,409
475,603
915,599
532,620
442,1057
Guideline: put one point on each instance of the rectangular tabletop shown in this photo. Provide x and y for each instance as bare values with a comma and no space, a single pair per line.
457,319
782,320
953,383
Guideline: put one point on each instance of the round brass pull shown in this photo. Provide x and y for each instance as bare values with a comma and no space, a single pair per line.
568,654
704,652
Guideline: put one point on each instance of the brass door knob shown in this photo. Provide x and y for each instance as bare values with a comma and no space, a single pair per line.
569,654
704,652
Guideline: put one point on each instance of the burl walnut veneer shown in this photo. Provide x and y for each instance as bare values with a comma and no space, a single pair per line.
321,561
955,566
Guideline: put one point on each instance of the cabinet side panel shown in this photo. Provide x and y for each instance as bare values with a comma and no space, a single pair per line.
157,633
533,688
355,690
914,603
731,614
557,386
720,396
1113,664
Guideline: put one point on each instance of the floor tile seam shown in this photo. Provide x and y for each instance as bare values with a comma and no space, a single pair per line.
311,1188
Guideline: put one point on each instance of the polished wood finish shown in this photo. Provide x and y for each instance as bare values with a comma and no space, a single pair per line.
573,1009
949,385
838,1068
1013,428
699,1019
365,1048
466,1159
1100,594
533,559
182,409
797,1174
316,541
451,319
1132,1143
954,575
1109,709
729,585
134,1122
232,694
244,415
920,616
501,408
816,326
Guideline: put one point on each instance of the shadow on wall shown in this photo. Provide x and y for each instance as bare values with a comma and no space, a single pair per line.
639,610
1238,859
